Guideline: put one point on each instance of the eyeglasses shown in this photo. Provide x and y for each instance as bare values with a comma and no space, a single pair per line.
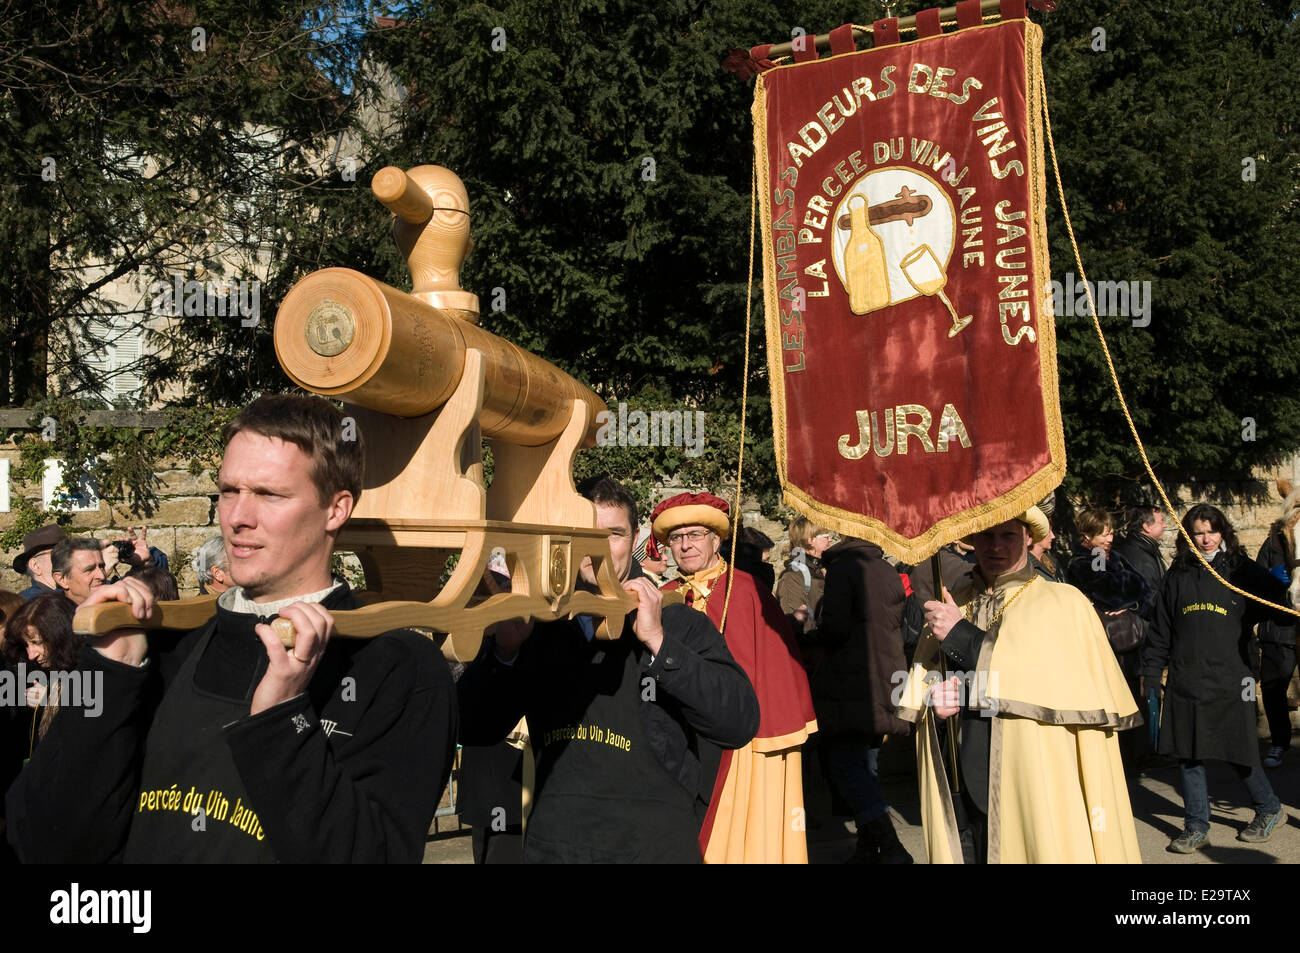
694,535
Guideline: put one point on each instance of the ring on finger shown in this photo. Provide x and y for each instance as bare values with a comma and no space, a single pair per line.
294,653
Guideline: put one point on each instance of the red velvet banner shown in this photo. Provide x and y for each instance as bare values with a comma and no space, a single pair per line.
911,350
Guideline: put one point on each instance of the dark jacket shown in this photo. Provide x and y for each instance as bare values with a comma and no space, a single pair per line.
860,634
350,771
1117,585
750,559
1143,553
1276,552
954,566
692,692
36,589
1050,573
1201,632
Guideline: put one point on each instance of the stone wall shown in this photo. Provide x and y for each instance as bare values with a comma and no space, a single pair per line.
184,517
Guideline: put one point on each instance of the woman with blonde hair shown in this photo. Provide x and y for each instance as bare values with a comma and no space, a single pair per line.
800,586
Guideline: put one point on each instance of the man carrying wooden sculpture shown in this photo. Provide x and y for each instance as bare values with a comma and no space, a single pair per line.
620,726
228,746
756,812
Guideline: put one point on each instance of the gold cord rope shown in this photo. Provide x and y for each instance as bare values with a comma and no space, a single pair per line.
1114,378
744,387
969,612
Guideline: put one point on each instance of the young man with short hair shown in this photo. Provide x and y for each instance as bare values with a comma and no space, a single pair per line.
616,725
329,751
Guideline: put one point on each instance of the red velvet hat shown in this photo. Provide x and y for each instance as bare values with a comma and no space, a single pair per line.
691,509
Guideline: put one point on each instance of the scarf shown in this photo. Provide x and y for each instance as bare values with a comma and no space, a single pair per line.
697,586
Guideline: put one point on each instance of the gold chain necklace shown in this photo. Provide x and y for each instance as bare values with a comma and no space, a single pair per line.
968,613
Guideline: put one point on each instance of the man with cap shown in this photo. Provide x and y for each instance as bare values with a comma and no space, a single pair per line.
1039,697
756,810
34,560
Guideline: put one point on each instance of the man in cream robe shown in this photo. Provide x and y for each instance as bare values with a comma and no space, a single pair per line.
1041,698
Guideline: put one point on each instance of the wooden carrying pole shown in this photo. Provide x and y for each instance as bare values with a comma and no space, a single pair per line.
823,40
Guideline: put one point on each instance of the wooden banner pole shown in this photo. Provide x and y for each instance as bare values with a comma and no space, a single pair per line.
946,15
953,777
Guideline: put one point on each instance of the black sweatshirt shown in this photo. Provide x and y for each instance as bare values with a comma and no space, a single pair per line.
351,771
557,679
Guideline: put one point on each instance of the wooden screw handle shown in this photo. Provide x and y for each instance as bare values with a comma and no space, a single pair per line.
399,192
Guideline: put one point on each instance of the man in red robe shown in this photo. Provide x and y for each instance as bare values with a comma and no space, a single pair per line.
756,812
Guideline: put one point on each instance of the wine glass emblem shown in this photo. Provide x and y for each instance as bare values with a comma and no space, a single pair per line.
923,271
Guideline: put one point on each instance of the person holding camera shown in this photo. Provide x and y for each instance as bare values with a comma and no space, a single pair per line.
131,551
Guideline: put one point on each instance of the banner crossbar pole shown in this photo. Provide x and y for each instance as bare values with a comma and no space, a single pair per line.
946,15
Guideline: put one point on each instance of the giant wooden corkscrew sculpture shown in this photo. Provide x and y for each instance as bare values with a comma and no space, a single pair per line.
424,385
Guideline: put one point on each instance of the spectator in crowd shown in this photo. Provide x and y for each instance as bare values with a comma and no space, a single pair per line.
78,567
1122,600
325,750
759,788
114,568
859,633
617,726
956,563
10,602
653,563
1143,533
1202,633
40,634
34,560
799,587
160,582
1103,575
1041,556
212,566
1276,640
130,552
13,723
1043,559
752,551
